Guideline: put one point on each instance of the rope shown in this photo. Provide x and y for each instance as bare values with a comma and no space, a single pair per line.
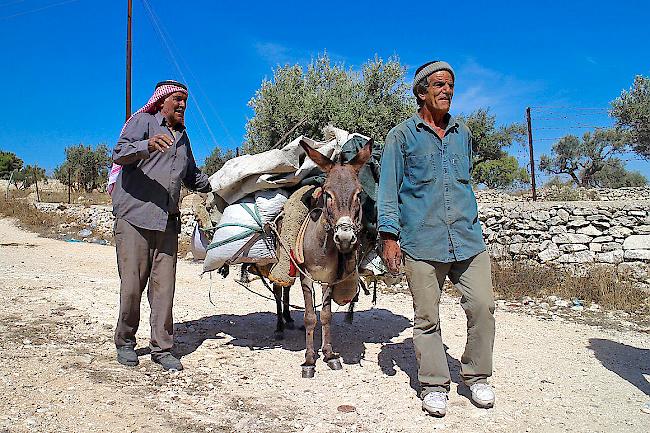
250,230
247,287
305,273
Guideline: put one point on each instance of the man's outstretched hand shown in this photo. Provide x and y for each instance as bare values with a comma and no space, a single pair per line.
391,252
160,142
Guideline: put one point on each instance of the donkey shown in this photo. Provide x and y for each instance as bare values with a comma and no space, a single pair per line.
331,241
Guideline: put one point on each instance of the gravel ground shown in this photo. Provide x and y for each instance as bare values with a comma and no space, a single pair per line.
58,373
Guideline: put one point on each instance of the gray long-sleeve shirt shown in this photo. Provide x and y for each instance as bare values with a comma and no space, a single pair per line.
148,188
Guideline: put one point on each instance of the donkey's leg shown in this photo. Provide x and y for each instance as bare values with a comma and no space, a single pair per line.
286,314
308,368
279,327
329,356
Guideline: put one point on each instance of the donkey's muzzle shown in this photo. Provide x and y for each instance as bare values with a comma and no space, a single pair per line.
345,237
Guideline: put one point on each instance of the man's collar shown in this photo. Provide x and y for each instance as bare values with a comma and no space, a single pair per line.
420,123
162,121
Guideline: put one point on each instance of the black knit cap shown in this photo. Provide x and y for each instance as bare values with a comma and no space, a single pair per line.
171,83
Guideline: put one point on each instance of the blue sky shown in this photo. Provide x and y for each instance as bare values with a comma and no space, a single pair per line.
63,61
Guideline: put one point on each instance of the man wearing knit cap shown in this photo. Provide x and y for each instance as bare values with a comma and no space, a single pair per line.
151,159
428,221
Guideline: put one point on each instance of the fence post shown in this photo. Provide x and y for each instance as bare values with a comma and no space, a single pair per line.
38,195
532,158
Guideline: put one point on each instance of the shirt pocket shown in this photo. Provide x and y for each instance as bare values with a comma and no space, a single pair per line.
420,169
461,167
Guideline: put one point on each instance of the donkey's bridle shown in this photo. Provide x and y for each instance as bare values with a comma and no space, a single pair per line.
332,228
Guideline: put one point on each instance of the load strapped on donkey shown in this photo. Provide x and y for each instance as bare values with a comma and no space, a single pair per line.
286,216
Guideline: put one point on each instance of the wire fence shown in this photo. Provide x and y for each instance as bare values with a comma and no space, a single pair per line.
549,124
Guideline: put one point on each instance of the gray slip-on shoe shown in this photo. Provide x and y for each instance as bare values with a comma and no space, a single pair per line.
167,361
126,356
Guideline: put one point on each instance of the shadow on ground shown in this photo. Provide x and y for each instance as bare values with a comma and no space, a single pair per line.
629,362
255,331
402,356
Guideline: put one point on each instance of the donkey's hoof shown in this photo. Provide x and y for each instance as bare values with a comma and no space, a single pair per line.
308,371
334,364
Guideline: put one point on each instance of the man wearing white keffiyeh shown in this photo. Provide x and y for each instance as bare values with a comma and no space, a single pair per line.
152,158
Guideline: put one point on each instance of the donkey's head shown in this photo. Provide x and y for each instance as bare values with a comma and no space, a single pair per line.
341,204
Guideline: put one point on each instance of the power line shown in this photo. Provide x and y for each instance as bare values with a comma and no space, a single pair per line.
572,126
161,35
11,3
171,48
567,107
35,10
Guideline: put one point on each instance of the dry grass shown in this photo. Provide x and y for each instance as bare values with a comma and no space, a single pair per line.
46,196
602,286
32,219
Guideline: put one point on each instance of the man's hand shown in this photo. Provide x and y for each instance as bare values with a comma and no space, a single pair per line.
160,142
391,252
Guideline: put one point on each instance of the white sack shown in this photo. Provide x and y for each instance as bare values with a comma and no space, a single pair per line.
198,243
262,251
270,203
275,168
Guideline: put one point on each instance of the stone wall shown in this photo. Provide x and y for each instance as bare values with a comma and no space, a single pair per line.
565,193
574,234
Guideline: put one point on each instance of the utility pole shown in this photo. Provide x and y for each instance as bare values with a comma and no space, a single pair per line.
128,59
532,158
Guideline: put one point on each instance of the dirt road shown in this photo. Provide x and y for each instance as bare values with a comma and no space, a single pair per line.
58,303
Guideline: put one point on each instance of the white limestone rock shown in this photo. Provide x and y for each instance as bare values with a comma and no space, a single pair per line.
552,252
637,255
619,231
563,214
571,238
614,257
579,257
572,248
637,242
589,230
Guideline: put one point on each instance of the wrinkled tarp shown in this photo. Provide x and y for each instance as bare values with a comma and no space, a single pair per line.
276,168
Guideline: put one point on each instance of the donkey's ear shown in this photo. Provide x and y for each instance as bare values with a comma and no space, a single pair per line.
362,157
321,160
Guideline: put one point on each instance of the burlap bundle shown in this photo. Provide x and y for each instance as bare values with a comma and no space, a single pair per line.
295,212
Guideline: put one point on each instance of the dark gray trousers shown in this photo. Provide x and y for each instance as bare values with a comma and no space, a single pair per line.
146,256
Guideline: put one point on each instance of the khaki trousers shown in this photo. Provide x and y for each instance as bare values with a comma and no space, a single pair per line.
146,256
473,278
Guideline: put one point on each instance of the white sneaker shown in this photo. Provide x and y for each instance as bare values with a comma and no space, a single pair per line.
435,403
482,395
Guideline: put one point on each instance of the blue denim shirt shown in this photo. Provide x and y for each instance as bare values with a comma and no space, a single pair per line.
425,196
